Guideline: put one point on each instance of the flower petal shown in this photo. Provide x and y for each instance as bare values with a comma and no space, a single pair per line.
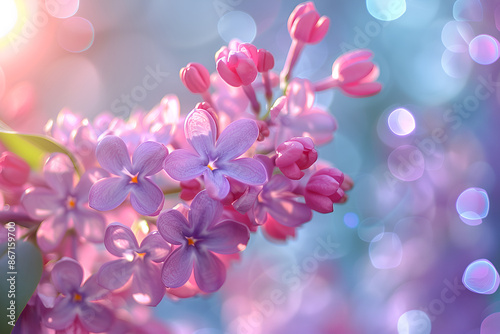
95,317
115,274
147,287
172,226
204,212
112,154
236,139
146,198
227,237
119,240
155,246
200,131
317,124
89,225
91,176
216,184
59,173
51,232
41,202
109,193
246,170
362,90
183,165
67,276
209,272
62,315
148,158
178,267
289,212
93,291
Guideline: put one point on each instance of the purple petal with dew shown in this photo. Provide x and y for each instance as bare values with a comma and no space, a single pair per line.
51,232
115,274
95,317
183,165
200,131
67,276
178,267
209,272
87,180
41,202
62,315
89,225
155,246
119,240
236,139
59,173
148,158
107,194
172,226
227,237
147,287
204,212
92,290
112,154
245,170
216,183
146,197
289,212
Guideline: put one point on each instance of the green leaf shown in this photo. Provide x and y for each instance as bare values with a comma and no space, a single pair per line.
33,148
28,271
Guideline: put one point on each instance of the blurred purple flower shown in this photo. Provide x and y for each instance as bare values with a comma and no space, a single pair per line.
197,239
77,302
61,204
216,161
146,197
138,261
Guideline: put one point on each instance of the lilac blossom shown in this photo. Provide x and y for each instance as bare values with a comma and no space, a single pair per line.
77,302
216,160
196,239
139,262
145,196
62,205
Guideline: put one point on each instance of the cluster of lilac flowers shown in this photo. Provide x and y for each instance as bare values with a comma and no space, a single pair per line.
244,158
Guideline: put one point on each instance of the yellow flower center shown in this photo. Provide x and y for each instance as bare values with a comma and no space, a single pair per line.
71,203
141,255
134,179
210,166
77,297
191,241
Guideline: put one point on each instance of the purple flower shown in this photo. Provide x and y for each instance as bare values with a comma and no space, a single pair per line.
197,239
62,204
138,261
216,160
146,197
77,302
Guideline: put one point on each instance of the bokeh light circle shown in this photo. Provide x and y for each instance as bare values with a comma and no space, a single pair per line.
76,34
491,324
473,205
401,122
351,220
62,9
481,277
483,49
468,10
386,10
237,24
8,16
414,322
406,163
386,251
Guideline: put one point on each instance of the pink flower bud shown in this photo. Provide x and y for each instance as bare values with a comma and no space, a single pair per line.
235,67
263,130
250,51
14,171
265,60
305,24
278,105
356,73
195,77
295,155
323,189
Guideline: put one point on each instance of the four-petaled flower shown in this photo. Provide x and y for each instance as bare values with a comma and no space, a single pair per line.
145,196
77,301
196,239
216,160
138,261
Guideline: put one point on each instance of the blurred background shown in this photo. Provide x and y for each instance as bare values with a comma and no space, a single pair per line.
424,153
